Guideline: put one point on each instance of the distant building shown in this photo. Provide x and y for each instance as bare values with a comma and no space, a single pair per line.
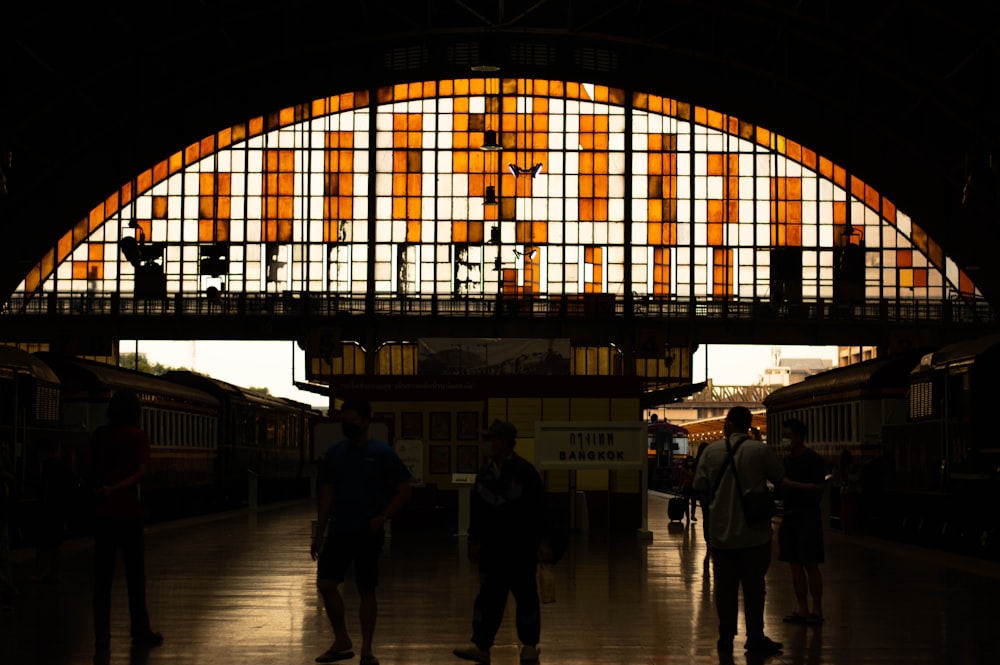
786,371
851,355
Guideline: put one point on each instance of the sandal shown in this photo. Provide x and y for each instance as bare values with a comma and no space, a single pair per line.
795,617
330,656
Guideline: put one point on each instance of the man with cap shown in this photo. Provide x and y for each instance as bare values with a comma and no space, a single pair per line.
506,539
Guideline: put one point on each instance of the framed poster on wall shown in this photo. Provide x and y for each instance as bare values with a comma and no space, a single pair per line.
440,459
467,426
412,425
440,426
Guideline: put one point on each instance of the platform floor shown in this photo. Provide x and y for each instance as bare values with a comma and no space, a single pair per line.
239,588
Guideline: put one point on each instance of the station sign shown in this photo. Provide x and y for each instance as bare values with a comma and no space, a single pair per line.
590,445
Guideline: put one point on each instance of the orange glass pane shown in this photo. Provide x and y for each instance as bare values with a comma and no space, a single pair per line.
286,183
80,232
763,137
654,187
716,233
715,163
654,231
871,197
825,168
539,233
906,277
904,258
839,212
175,164
793,236
808,158
476,232
206,230
412,213
601,209
206,207
714,216
586,209
889,211
460,232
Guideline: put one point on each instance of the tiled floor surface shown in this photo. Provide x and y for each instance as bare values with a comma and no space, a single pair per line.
240,588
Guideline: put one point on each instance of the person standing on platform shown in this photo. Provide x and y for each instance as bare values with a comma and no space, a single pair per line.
741,550
850,492
507,538
703,500
686,481
119,458
800,535
363,484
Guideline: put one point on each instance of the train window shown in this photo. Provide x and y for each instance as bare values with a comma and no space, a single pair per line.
921,400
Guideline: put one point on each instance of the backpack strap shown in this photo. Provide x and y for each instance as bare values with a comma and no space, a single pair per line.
729,461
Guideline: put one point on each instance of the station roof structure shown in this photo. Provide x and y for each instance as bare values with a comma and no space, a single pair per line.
902,94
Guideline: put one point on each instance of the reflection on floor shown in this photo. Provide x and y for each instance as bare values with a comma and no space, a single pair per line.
240,589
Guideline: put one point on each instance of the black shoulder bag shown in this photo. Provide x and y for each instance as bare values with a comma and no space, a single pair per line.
758,505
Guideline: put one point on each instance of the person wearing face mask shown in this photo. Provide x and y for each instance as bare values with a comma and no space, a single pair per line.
363,483
507,537
800,535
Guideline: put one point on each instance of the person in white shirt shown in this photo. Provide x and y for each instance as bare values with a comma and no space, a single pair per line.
741,550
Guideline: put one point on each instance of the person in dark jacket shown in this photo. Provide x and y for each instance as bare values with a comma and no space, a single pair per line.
507,537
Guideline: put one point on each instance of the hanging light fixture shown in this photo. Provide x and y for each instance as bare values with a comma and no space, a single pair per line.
491,139
490,143
490,198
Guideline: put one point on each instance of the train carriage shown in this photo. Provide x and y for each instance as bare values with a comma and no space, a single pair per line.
845,408
944,477
267,439
182,424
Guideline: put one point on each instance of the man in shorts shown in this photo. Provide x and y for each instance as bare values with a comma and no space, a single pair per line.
363,483
800,536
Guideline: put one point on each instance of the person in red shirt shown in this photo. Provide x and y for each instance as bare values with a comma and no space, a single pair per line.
120,456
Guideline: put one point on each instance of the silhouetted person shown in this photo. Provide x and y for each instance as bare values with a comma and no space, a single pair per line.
507,538
686,482
120,457
363,483
800,535
741,550
702,499
850,492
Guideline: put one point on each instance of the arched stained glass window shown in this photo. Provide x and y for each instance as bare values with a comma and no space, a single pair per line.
388,192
